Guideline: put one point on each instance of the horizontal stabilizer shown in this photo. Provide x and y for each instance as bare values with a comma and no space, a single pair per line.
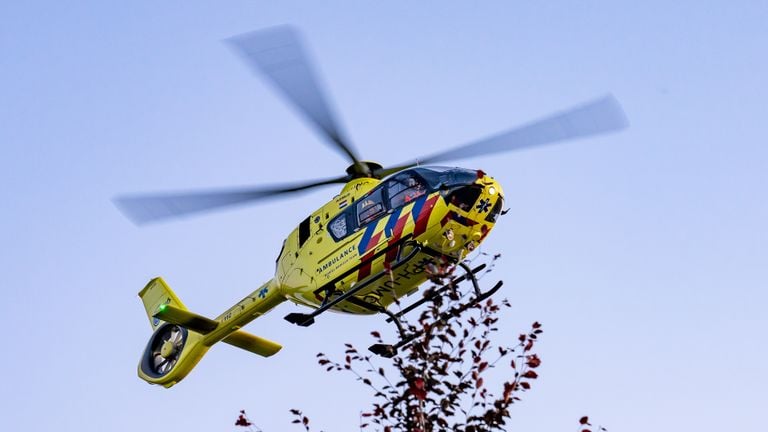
203,325
186,319
253,343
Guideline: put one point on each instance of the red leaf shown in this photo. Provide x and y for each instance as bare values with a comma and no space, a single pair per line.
533,361
417,389
242,421
536,325
525,385
584,420
531,375
419,394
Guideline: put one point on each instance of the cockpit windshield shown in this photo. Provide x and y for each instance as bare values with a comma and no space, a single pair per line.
446,177
403,188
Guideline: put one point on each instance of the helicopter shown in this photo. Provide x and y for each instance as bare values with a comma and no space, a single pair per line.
375,242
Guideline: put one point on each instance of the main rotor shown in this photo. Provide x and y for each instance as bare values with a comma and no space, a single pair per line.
278,55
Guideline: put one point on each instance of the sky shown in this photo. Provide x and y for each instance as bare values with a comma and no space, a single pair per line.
642,253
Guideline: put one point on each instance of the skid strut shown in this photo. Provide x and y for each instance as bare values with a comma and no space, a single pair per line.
388,350
306,320
439,291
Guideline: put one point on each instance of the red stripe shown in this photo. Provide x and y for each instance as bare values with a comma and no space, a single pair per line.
423,219
365,270
396,233
446,219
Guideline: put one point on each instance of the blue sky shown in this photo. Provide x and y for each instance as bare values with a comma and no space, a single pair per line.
643,253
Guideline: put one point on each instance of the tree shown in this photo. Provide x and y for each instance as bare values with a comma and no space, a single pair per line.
437,382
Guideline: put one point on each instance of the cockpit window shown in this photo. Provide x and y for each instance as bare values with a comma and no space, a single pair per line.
404,188
370,207
464,197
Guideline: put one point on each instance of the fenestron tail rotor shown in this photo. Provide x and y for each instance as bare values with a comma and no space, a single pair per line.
164,349
167,353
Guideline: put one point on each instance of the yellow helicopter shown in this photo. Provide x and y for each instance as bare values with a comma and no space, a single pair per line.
372,244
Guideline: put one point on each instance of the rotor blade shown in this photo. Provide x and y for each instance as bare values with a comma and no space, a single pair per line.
141,209
159,362
278,53
175,337
592,118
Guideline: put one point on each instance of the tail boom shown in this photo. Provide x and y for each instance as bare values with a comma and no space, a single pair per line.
182,337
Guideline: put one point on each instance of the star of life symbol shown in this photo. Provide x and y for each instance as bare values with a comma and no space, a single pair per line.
263,292
483,205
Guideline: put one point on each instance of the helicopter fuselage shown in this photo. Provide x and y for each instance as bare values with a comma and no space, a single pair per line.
389,234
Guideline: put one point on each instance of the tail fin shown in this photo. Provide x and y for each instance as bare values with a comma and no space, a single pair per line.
156,294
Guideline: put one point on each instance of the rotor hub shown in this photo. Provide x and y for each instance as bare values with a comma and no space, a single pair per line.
364,169
167,349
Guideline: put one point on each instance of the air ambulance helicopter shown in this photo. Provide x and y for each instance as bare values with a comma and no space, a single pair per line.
369,246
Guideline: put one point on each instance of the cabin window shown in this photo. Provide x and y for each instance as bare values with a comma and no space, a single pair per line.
404,188
339,226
